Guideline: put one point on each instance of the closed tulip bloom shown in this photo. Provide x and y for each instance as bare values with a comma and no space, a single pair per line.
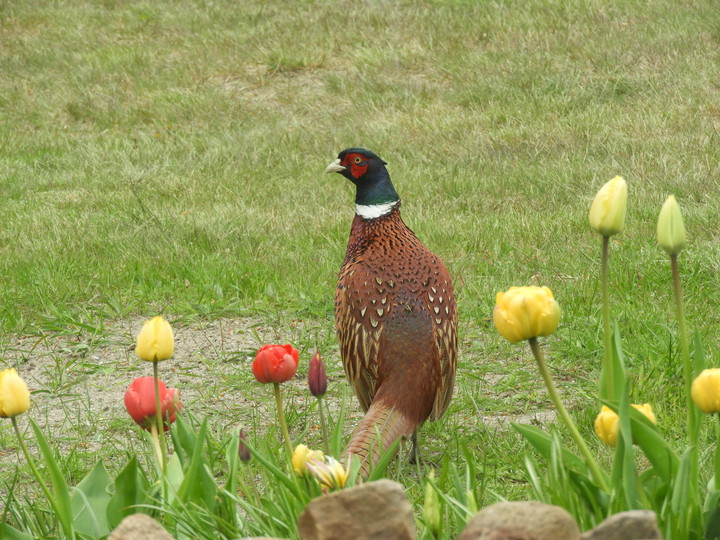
275,363
14,394
526,312
705,391
301,456
243,450
670,227
607,212
140,402
607,423
155,342
317,378
330,473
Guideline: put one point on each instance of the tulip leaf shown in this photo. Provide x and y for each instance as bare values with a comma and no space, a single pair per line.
275,471
61,499
89,502
543,444
183,438
9,533
130,493
336,439
681,483
386,457
711,512
198,485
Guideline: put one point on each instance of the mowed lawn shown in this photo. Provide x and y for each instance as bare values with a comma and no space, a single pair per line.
168,157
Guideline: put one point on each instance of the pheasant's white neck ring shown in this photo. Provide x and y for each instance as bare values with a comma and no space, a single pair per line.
372,211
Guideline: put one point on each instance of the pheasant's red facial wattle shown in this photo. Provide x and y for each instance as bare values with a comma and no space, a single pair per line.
357,163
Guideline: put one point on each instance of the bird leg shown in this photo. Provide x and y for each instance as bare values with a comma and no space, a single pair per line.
415,450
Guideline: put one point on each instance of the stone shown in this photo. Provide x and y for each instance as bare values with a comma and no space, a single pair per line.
374,510
521,520
139,527
631,525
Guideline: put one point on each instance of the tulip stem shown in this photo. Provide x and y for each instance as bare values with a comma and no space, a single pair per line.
67,527
717,452
159,421
283,424
607,386
564,416
684,348
326,444
156,445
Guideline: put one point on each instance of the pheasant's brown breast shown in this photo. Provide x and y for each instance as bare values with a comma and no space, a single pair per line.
390,282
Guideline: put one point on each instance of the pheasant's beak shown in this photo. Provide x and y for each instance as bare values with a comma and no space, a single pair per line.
335,166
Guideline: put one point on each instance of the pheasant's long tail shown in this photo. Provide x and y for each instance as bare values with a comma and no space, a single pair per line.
378,430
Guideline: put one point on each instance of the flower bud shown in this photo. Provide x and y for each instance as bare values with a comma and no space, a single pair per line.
14,394
607,212
140,402
705,391
301,456
155,342
431,507
275,363
670,227
330,473
607,423
317,378
243,451
526,312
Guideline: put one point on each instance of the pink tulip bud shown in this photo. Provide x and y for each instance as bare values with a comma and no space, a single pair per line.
243,451
317,378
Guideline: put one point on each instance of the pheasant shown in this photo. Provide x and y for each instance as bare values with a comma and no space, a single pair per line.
395,316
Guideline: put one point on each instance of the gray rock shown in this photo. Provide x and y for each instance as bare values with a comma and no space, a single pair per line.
521,521
632,525
139,527
375,510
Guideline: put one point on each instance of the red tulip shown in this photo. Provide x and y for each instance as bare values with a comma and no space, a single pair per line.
275,363
317,378
140,402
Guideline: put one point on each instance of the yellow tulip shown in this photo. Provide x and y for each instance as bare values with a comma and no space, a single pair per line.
330,474
607,212
14,394
607,423
670,227
526,312
155,341
705,391
301,456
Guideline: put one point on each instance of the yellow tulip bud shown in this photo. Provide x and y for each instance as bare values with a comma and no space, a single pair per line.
155,342
301,456
14,394
607,426
607,423
705,391
526,312
670,227
607,212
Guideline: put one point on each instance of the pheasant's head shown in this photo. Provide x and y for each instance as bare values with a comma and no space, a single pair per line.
375,195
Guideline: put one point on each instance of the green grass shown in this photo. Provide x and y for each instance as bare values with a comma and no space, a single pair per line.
168,157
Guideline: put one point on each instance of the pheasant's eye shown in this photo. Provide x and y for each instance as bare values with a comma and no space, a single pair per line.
357,160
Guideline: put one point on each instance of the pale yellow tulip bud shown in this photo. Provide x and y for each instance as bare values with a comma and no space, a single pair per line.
670,227
301,456
14,394
705,391
155,342
607,212
526,312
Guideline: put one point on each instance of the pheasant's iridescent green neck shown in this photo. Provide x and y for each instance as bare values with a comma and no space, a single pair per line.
375,195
